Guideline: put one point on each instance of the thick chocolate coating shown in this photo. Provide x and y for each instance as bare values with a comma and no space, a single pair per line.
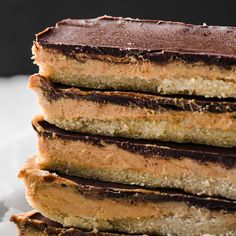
133,193
204,154
143,100
145,39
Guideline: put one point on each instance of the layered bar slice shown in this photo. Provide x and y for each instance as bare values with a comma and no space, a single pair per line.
193,168
106,206
35,224
141,55
137,115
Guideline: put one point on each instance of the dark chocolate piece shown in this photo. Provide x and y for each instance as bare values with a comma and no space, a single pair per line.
143,100
44,224
133,193
154,40
204,154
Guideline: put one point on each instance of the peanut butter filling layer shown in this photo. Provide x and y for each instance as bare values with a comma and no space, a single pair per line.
105,206
74,111
105,71
196,169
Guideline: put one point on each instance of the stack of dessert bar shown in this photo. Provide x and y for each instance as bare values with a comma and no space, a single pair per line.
138,132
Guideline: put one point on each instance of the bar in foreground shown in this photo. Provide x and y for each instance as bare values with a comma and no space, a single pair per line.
106,206
35,224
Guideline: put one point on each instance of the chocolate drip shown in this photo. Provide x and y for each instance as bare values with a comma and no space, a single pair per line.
201,153
158,41
135,99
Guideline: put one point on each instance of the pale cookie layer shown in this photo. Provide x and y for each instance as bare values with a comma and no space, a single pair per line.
62,200
111,163
103,71
217,129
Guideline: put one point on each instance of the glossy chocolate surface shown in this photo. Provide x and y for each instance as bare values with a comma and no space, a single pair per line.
154,40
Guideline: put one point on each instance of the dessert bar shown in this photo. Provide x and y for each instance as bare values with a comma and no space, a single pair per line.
105,206
137,115
196,169
34,223
141,55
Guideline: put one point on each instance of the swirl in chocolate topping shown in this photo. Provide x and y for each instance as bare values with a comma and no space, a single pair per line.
145,39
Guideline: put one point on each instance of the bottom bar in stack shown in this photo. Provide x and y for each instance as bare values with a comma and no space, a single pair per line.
105,206
34,223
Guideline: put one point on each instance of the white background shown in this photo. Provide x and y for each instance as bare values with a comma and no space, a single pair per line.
18,106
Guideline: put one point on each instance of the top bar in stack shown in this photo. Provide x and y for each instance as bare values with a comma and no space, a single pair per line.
140,55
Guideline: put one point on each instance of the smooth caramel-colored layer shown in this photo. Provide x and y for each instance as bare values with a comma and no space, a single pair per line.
104,71
62,200
218,129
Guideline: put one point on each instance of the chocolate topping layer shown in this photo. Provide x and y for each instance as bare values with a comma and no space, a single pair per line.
154,40
42,223
132,193
201,153
154,102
